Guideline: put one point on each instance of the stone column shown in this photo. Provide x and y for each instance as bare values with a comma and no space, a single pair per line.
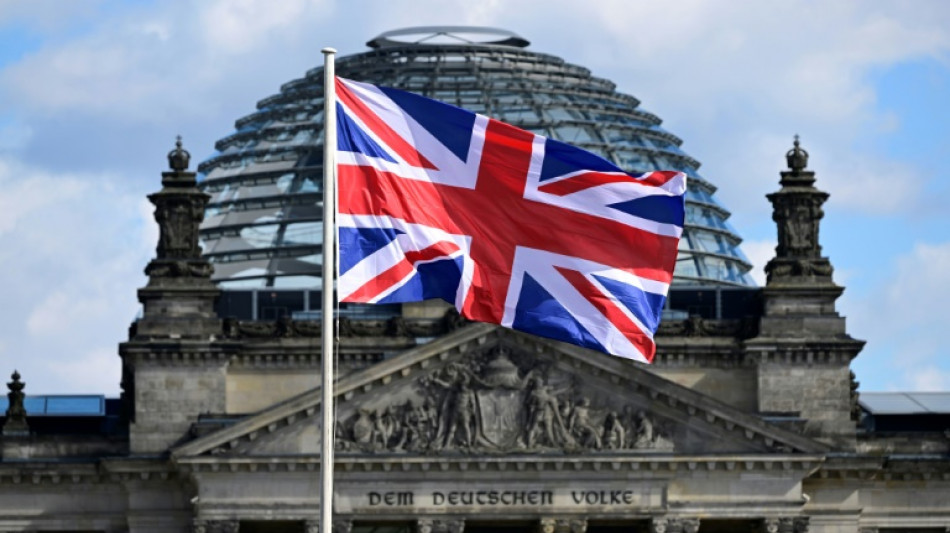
674,525
562,525
445,525
214,526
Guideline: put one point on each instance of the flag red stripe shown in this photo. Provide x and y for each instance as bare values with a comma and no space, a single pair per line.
587,180
614,314
399,271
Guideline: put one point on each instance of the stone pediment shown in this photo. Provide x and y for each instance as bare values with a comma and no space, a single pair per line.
486,391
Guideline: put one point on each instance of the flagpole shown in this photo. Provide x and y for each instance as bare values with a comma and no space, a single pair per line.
329,247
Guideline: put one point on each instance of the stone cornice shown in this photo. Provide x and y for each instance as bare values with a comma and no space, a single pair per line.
886,468
701,352
799,351
112,470
649,466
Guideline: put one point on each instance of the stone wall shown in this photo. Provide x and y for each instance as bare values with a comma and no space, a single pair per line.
169,397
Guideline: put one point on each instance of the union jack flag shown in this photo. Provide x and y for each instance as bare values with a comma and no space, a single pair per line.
512,227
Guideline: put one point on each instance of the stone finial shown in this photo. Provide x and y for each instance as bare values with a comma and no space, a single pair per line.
797,157
16,411
797,210
178,158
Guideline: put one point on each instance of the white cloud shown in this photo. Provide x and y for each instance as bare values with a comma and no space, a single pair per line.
177,58
759,254
96,370
907,317
236,26
72,257
929,378
29,190
923,273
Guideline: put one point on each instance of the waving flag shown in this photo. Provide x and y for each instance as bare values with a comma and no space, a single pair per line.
513,228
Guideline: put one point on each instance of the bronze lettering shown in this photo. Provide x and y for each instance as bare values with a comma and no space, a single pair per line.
501,497
390,499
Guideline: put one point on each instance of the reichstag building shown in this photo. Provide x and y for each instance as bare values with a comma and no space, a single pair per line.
750,419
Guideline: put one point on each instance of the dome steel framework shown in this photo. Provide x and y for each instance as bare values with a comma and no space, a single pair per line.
263,226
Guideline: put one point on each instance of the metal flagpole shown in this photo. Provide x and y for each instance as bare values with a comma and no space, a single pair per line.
329,248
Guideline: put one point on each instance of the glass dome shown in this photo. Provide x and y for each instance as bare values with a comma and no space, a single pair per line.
263,226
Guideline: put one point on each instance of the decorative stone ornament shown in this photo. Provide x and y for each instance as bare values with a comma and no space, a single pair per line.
428,525
178,158
179,297
562,525
797,158
16,412
674,525
797,211
785,524
179,210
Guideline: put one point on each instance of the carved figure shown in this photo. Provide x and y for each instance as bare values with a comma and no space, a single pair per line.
645,435
363,430
458,407
582,427
385,426
428,421
409,435
544,417
613,438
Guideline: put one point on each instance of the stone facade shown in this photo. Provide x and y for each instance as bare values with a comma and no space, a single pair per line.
738,426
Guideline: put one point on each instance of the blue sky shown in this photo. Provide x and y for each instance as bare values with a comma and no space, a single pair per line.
92,93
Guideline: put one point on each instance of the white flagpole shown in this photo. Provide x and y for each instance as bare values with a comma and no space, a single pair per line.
329,248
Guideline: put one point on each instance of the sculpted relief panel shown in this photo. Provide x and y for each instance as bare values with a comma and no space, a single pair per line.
500,401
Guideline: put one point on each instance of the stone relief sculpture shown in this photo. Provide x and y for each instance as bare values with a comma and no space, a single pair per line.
488,403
